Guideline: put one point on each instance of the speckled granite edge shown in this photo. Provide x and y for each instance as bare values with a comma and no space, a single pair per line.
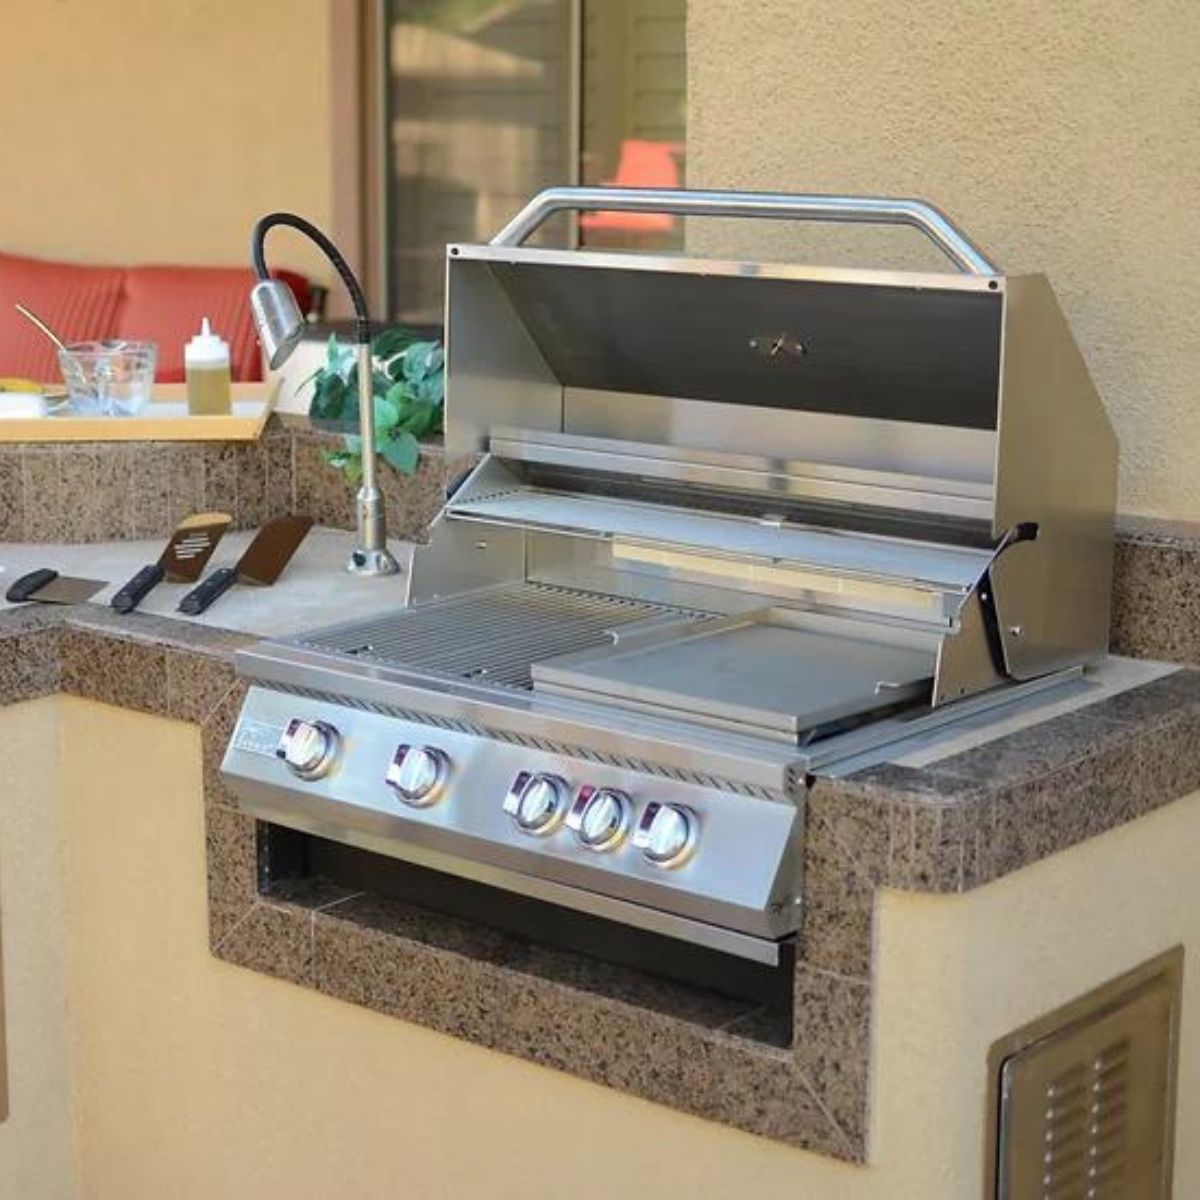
115,491
948,827
1156,591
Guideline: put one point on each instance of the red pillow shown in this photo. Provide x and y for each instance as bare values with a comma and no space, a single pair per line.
79,302
166,305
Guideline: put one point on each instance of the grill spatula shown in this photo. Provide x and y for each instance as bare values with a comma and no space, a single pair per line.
47,586
261,563
190,547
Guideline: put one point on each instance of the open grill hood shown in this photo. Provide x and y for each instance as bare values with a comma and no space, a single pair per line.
915,459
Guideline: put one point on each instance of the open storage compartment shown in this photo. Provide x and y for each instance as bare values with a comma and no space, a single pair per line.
749,999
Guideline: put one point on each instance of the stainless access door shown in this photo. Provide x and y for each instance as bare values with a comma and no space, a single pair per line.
1086,1097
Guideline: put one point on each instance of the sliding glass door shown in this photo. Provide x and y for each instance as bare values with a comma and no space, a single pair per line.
488,101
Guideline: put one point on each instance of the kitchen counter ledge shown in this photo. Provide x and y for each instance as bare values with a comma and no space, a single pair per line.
949,826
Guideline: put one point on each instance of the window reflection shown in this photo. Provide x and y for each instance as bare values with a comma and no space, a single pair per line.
490,100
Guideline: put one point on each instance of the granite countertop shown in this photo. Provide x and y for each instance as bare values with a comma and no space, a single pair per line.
970,812
313,590
946,819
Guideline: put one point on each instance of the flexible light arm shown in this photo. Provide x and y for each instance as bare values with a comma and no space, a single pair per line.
280,326
362,321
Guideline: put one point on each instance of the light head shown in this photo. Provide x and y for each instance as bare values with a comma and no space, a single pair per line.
277,320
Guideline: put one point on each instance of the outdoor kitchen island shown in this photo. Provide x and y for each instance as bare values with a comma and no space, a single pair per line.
774,592
741,739
945,904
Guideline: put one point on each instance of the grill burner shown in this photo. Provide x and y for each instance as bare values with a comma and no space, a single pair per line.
684,574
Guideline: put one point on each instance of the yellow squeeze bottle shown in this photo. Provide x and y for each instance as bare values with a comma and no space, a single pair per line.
206,367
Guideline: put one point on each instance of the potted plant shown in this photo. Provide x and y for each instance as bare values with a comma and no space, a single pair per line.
407,382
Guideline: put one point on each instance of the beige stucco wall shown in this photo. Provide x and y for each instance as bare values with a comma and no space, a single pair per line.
1064,136
159,130
37,1143
195,1079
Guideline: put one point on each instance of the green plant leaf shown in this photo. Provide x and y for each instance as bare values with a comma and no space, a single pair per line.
328,398
431,389
353,443
387,414
420,419
306,381
401,393
407,391
402,451
391,342
420,359
350,465
339,360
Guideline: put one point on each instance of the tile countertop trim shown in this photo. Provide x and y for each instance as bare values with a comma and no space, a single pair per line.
118,491
948,827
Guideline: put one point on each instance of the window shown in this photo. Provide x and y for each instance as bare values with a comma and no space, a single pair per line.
487,101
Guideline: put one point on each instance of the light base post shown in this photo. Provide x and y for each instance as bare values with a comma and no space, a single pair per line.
371,555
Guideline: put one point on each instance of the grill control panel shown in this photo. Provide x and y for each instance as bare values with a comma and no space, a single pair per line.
491,809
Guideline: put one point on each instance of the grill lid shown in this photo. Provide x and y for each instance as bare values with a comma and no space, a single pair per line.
952,412
928,355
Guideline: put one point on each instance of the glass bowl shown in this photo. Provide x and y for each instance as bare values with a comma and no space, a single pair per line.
110,378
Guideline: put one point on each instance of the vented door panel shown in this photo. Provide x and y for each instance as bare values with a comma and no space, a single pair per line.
1085,1112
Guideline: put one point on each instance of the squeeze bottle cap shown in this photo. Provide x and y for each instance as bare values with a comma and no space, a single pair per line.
206,347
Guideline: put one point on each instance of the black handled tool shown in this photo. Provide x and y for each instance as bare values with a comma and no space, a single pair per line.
185,555
261,563
24,588
47,586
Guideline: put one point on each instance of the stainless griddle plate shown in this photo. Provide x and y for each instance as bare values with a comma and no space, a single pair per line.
760,670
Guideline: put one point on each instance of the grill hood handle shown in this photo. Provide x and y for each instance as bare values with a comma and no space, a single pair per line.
869,210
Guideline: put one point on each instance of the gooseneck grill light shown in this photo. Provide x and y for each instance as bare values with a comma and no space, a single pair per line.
280,325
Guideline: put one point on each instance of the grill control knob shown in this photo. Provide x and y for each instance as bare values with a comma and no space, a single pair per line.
309,748
536,802
666,834
417,773
599,818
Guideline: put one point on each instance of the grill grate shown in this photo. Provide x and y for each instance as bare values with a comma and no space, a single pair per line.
493,636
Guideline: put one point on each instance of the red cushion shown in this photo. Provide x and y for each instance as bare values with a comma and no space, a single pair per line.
166,305
79,302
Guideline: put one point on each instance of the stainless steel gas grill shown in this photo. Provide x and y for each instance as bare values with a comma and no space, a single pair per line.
731,524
